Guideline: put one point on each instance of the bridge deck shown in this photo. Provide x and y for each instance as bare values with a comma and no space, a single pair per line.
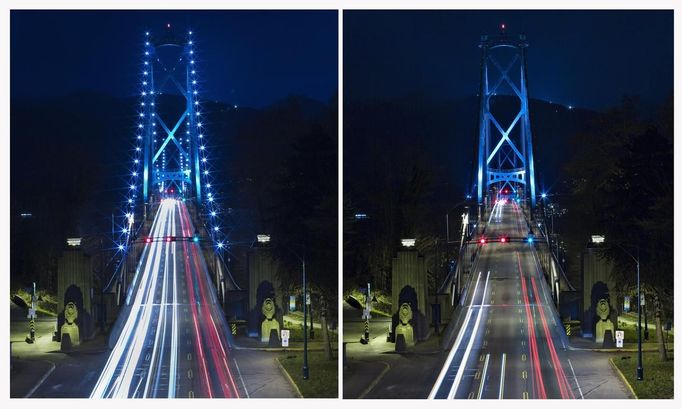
511,344
174,339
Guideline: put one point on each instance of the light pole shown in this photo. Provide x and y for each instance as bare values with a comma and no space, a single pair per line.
305,323
640,368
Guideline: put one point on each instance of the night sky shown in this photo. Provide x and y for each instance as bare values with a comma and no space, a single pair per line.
588,59
250,58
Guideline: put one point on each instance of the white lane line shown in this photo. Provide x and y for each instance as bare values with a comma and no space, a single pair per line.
41,380
465,358
485,373
240,377
454,348
135,349
576,380
504,363
160,323
104,381
174,340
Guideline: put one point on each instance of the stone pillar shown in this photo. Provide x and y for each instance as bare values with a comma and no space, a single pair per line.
409,285
74,285
597,285
263,284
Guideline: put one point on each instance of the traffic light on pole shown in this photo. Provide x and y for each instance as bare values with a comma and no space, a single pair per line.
147,240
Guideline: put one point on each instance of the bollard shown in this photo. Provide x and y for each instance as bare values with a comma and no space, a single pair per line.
366,330
568,329
233,326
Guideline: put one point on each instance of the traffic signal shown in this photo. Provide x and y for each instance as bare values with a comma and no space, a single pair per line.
503,239
482,240
195,239
147,240
170,238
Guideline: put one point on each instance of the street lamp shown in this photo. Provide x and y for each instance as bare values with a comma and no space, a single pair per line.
265,238
640,369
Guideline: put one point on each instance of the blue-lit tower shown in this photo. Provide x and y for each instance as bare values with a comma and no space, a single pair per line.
505,143
170,123
170,154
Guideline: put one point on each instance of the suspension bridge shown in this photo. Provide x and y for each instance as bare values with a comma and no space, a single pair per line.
171,338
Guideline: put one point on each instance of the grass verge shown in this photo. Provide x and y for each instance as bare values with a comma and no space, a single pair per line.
658,376
323,380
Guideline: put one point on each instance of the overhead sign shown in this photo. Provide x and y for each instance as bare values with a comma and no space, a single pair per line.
285,337
620,336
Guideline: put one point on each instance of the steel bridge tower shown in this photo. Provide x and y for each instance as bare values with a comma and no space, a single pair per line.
505,144
170,155
171,138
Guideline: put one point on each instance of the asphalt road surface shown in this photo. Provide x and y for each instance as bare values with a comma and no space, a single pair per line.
511,344
174,341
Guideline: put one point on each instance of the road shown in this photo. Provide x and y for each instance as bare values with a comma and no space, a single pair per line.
511,344
174,341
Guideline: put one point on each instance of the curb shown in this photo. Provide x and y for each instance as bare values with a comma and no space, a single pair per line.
41,380
622,378
572,348
375,381
280,349
291,381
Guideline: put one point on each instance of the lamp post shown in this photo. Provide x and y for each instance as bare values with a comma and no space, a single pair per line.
266,238
640,368
305,322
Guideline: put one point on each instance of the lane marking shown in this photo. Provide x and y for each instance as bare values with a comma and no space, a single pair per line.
239,372
485,372
525,395
576,379
465,358
455,347
504,363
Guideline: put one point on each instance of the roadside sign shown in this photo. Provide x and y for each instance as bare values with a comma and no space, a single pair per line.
285,337
307,299
642,302
31,313
620,335
292,303
626,303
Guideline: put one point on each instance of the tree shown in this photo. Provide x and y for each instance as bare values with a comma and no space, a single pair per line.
622,186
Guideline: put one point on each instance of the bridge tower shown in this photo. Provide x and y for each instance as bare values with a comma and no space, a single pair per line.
505,147
170,155
171,137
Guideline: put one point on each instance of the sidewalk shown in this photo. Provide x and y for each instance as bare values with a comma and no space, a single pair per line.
254,344
586,344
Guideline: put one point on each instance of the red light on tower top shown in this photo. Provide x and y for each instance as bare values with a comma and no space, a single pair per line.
167,25
503,27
